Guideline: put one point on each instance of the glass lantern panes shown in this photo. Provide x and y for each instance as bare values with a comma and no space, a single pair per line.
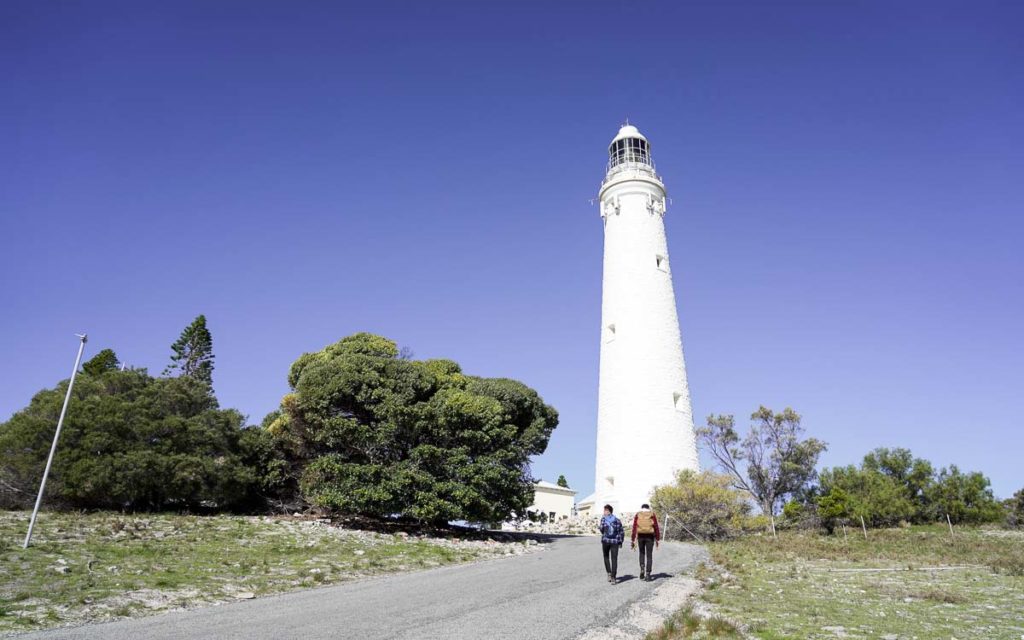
629,150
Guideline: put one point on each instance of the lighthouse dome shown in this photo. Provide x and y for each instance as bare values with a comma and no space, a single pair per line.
629,131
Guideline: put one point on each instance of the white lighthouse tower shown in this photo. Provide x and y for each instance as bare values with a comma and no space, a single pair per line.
644,420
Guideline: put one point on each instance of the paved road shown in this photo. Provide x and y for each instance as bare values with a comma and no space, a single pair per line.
555,593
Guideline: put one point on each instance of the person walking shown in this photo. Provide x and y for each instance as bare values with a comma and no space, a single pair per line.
612,535
646,530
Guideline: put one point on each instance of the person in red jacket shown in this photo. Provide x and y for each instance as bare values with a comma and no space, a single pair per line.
646,530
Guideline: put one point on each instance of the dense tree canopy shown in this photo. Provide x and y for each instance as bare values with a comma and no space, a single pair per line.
367,430
105,360
130,441
891,485
852,493
964,497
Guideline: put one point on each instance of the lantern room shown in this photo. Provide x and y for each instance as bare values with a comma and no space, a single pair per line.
629,147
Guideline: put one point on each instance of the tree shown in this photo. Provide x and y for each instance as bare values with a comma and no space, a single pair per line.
105,360
867,493
562,482
835,506
1015,509
892,485
778,463
132,442
367,431
913,475
964,497
704,505
192,352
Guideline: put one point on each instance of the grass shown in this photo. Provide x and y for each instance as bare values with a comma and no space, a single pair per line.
101,566
809,585
686,624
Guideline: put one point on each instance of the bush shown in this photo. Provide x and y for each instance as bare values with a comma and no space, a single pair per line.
369,432
966,497
1015,510
891,486
852,493
704,505
130,441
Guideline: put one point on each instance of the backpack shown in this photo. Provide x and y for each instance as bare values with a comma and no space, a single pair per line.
611,530
645,522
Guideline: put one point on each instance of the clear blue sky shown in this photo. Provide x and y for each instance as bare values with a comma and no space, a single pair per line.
846,228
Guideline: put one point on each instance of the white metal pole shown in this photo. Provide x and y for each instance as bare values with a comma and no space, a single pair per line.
53,448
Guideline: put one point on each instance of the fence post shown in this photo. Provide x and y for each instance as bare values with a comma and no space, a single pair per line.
774,534
950,523
864,527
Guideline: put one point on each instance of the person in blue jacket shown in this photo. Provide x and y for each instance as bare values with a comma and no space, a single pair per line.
612,535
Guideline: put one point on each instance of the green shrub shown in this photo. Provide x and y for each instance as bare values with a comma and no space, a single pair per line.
703,505
965,497
367,431
852,493
130,441
891,486
1015,510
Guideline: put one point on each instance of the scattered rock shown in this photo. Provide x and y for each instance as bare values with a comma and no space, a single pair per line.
245,595
359,552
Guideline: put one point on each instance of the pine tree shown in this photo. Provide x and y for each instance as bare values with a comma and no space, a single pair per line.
193,352
562,482
102,362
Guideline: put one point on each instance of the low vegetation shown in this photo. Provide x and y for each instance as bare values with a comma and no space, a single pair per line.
100,566
687,624
703,506
912,582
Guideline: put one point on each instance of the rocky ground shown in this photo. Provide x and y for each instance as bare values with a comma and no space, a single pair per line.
574,526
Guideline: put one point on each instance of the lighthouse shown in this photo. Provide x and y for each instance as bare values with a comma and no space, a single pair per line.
645,429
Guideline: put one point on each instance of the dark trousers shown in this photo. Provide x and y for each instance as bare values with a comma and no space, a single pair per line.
611,558
646,544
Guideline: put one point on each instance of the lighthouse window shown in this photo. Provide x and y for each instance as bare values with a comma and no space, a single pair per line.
661,262
618,152
679,400
629,150
609,333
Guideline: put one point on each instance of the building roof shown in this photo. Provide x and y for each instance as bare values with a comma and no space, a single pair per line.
588,500
541,484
